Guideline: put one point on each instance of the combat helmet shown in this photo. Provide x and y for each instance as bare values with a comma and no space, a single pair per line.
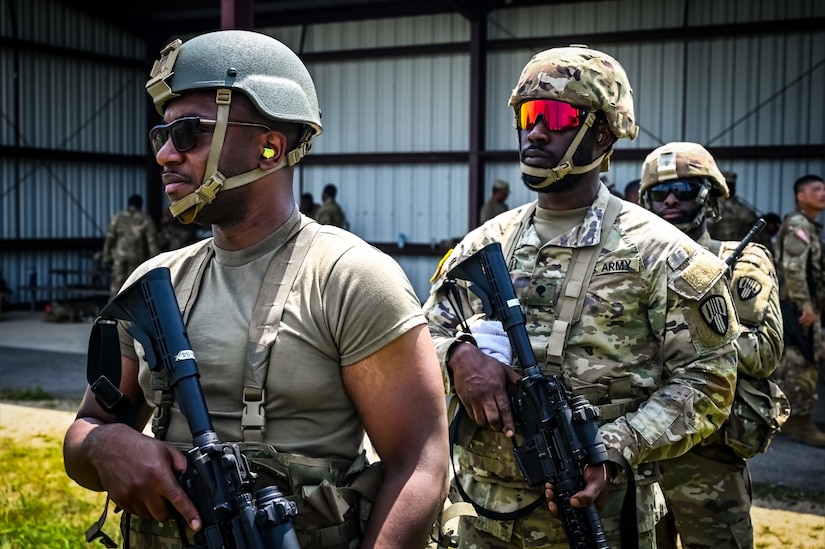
266,71
587,79
682,160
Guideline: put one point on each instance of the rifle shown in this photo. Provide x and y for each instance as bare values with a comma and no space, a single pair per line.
755,230
561,433
218,479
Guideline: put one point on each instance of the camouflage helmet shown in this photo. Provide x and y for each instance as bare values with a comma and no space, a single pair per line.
269,73
583,77
681,160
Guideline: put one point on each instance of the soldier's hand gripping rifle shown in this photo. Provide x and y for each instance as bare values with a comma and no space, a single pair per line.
218,479
560,432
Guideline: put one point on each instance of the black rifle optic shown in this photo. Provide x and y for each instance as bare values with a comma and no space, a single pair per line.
561,433
218,479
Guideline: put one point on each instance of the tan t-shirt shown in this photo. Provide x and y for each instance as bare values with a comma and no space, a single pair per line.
348,301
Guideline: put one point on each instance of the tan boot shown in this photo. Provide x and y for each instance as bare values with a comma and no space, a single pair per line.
802,429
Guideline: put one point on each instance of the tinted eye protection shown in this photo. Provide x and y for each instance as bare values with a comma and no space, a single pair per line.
184,132
682,190
557,115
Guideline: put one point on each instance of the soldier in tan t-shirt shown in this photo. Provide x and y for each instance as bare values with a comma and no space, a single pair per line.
297,386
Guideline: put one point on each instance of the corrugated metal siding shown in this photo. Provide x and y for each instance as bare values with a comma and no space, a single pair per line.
412,104
77,105
419,270
382,33
382,201
67,103
47,22
758,90
629,15
66,200
583,18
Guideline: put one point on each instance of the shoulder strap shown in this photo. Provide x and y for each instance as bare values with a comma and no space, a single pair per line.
578,277
265,324
520,223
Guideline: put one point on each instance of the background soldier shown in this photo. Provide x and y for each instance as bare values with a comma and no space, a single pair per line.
708,499
330,212
799,260
497,203
173,234
130,240
735,218
631,191
308,206
646,347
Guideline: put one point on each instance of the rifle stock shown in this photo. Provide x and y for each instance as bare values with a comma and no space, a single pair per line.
560,432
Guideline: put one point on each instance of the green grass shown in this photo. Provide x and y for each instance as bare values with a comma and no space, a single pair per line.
43,507
786,494
24,394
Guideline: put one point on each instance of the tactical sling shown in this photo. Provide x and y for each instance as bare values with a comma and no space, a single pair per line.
322,489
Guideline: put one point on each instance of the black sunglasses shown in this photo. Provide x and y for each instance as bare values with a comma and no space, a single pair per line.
684,190
184,132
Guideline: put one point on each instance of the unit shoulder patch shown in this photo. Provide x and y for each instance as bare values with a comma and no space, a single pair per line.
712,319
747,288
715,312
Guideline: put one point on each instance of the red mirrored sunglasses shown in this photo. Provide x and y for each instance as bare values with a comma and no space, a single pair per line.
557,115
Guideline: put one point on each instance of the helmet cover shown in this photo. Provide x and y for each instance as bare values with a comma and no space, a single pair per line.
681,160
583,77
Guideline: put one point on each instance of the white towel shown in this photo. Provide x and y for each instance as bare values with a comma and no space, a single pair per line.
492,340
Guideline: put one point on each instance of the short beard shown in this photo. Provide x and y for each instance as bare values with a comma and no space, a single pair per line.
564,184
581,157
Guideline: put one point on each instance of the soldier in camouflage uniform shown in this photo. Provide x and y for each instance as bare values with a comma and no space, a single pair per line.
705,489
130,240
173,234
653,347
801,265
734,218
496,204
330,212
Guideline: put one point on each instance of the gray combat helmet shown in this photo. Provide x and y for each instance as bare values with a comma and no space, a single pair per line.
263,69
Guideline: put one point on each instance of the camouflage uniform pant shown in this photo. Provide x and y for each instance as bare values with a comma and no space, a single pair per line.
541,530
708,500
798,378
121,269
473,538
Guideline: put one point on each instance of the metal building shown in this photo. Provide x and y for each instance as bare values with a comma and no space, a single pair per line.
414,100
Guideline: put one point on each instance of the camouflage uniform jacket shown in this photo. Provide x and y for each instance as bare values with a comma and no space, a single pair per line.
800,261
490,209
330,213
131,237
755,291
657,311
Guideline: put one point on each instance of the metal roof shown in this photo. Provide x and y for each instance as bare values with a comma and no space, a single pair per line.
148,18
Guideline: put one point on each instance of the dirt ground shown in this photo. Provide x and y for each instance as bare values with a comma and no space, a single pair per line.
777,524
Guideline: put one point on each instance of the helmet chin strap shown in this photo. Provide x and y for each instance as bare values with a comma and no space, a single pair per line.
187,208
566,166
